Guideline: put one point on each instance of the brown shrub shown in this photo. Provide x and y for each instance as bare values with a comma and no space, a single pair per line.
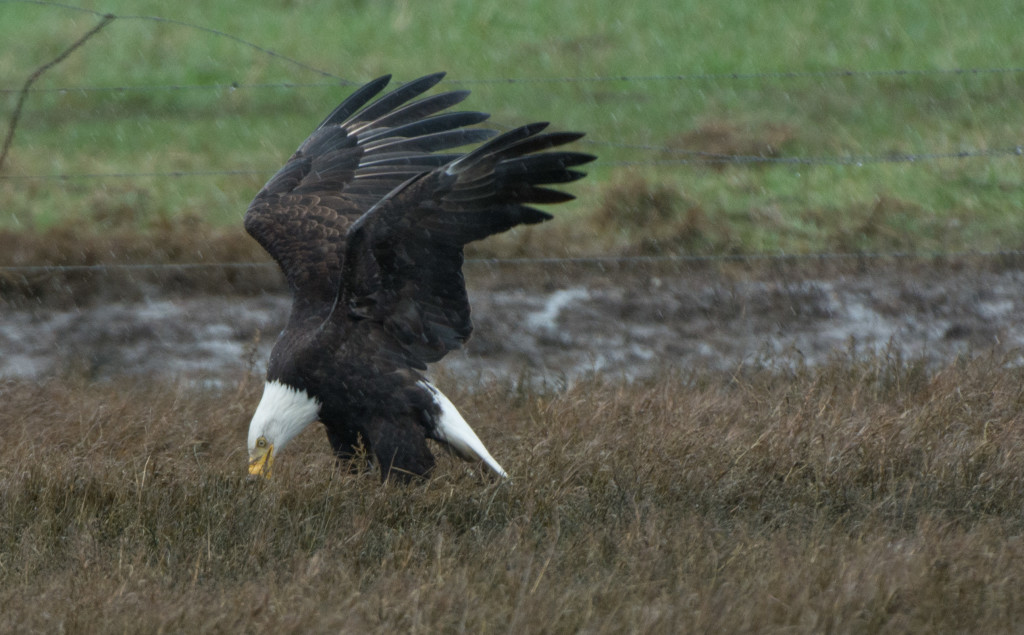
645,218
70,264
719,141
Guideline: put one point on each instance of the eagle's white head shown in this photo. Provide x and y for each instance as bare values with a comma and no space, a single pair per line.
283,413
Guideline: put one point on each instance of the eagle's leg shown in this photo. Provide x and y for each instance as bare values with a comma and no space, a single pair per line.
400,447
348,449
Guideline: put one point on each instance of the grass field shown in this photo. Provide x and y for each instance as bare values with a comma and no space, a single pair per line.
865,495
862,496
172,107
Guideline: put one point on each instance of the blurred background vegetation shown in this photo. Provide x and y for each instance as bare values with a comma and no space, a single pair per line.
178,113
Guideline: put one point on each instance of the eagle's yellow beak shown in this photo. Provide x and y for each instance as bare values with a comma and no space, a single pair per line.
262,459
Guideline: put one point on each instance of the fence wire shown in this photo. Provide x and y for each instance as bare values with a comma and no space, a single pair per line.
689,158
667,155
597,261
675,155
566,79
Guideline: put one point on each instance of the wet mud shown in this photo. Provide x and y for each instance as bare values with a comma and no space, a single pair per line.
558,326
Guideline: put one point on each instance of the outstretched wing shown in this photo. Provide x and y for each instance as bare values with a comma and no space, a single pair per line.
358,153
403,259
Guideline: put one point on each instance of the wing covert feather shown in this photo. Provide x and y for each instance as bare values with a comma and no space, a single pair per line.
357,154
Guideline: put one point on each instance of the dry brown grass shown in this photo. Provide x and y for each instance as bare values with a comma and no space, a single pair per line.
724,139
638,216
871,496
183,241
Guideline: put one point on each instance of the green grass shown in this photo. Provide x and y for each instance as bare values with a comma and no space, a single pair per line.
946,204
867,495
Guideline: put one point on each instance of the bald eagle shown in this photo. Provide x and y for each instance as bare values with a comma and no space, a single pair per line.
368,220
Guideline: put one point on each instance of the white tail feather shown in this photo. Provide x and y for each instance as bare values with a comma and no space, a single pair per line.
453,430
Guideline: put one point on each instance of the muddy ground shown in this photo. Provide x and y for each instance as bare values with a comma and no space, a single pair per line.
556,322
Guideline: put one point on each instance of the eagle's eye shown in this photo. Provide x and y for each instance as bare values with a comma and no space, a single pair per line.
261,442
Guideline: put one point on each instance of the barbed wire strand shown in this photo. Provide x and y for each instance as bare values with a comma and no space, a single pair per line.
813,74
769,75
692,158
555,261
677,156
137,175
687,157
